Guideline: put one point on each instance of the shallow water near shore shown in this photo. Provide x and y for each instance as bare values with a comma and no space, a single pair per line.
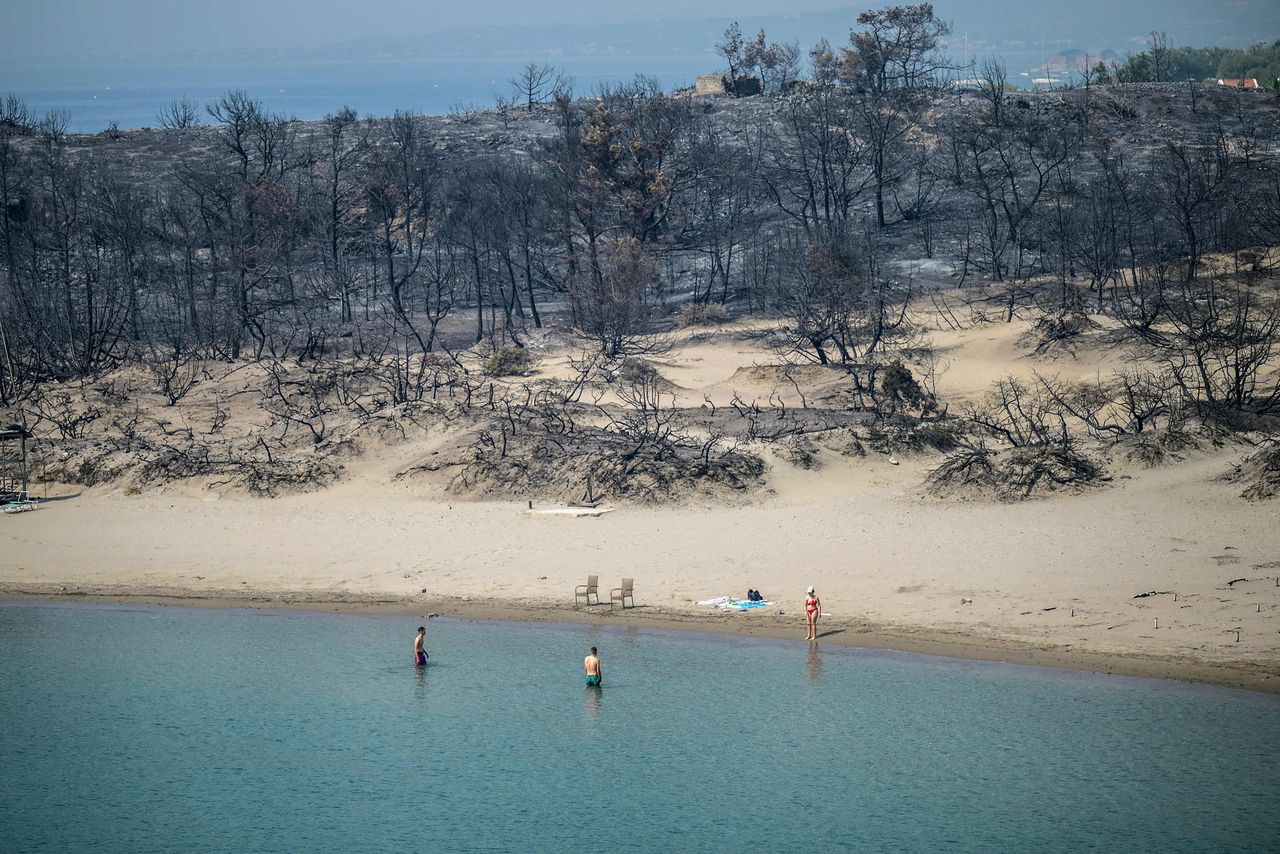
150,728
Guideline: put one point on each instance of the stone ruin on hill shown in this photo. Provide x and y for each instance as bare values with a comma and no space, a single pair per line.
718,84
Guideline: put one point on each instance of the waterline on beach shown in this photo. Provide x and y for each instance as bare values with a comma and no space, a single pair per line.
954,642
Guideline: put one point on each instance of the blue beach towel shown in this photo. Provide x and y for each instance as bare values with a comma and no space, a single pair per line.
743,606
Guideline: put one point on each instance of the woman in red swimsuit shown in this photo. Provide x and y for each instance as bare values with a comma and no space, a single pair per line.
812,610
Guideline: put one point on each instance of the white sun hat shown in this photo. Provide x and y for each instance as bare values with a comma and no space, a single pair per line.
810,590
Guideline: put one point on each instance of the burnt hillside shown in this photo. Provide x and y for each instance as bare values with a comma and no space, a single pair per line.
359,270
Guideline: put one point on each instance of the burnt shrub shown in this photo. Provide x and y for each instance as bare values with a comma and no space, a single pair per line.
701,314
508,361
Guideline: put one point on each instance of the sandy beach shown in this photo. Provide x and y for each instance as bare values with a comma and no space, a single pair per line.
1055,582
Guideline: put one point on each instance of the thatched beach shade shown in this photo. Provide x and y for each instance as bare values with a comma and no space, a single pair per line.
13,461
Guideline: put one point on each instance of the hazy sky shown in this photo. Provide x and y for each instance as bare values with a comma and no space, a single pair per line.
44,27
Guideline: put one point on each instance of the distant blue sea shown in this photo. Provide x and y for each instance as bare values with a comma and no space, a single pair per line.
167,729
132,95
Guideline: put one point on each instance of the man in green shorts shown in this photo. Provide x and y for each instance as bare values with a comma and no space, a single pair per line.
592,663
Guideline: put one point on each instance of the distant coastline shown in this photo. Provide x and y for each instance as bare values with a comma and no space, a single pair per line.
434,72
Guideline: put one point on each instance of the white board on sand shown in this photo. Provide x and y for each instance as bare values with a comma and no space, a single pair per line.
568,511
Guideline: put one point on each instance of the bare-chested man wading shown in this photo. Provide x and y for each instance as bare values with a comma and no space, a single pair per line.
420,648
592,663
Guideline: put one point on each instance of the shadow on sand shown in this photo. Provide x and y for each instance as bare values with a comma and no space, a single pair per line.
43,498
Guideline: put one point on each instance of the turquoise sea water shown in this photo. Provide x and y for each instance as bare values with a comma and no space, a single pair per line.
163,729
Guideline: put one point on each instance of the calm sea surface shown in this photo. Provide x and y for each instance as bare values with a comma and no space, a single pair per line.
147,729
133,94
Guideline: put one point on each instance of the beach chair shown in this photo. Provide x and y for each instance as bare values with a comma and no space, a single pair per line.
19,506
623,594
586,591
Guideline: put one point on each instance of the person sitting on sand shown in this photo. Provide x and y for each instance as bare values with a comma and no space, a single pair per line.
592,663
812,610
419,650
